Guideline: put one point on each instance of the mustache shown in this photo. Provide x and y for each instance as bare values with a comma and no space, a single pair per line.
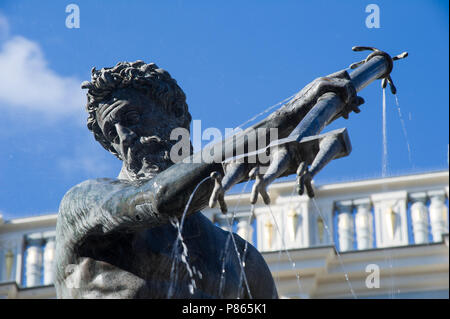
151,139
153,150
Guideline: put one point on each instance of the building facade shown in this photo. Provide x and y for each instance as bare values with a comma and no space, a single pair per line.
375,238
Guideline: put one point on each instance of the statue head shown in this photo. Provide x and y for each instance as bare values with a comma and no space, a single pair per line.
133,108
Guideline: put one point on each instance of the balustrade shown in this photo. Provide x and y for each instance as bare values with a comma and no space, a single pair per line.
345,225
419,217
374,221
438,215
364,224
38,250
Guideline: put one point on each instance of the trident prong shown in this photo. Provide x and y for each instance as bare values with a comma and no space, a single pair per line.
386,78
400,56
391,85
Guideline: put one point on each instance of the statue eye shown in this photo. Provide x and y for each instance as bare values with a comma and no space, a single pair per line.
132,117
112,135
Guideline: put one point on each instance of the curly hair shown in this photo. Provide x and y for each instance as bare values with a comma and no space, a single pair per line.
147,78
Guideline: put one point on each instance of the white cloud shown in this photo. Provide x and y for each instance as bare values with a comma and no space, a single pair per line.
4,27
28,83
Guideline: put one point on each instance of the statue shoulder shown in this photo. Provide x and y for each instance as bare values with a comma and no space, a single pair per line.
92,188
88,194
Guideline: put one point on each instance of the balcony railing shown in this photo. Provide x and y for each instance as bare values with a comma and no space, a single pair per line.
368,218
27,251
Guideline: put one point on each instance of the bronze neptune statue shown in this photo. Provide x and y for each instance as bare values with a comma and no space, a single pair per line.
115,237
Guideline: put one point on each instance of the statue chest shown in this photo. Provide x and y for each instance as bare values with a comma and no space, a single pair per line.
153,264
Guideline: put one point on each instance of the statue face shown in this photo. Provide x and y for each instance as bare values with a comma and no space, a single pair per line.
139,130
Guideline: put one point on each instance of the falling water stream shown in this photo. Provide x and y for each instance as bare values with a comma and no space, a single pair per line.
405,133
184,259
279,251
244,254
223,271
384,160
408,145
388,257
184,254
242,265
283,244
242,276
352,291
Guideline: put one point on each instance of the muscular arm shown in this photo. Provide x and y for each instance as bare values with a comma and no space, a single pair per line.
104,205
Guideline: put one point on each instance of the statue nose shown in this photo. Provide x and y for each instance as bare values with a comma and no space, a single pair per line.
126,135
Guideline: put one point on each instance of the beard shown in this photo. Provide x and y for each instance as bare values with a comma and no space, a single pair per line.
148,156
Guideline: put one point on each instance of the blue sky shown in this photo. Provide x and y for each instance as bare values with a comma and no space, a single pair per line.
233,59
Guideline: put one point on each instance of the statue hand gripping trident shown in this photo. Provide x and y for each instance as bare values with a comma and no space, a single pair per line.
301,150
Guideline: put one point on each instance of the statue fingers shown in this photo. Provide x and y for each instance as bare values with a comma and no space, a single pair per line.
235,172
301,168
353,106
309,188
341,86
355,103
218,193
300,185
305,183
280,160
304,180
259,187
